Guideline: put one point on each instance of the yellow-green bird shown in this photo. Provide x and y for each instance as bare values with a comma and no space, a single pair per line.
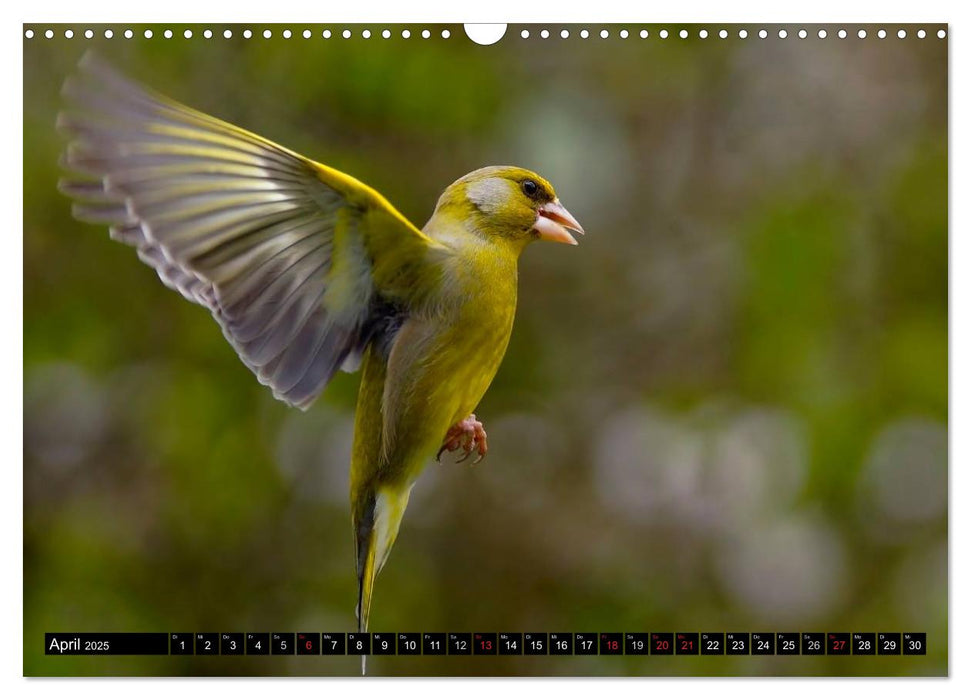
307,271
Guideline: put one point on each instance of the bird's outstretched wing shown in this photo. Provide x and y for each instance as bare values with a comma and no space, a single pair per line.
295,260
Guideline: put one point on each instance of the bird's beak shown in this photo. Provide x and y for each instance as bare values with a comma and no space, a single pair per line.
554,223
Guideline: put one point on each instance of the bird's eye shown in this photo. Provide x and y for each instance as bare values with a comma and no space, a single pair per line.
530,188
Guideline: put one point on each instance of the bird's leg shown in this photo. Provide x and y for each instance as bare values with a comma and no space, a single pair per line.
468,435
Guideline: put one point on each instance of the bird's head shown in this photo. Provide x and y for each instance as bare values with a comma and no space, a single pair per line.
512,203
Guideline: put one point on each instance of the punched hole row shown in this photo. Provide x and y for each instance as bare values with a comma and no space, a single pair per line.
445,34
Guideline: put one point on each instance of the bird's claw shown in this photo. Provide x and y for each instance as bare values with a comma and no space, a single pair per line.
469,435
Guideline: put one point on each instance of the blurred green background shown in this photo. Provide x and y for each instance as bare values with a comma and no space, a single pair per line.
725,410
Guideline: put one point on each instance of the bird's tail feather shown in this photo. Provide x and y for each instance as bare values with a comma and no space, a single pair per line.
365,580
376,528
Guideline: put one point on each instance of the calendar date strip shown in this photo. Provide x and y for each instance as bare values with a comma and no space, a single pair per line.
486,643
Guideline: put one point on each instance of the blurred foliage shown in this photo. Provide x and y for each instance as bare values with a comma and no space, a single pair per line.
726,409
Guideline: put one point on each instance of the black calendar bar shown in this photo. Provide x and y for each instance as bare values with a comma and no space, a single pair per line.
486,643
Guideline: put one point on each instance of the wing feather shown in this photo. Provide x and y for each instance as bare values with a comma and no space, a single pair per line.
279,248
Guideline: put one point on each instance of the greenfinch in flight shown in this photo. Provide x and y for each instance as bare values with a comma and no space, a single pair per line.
307,271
